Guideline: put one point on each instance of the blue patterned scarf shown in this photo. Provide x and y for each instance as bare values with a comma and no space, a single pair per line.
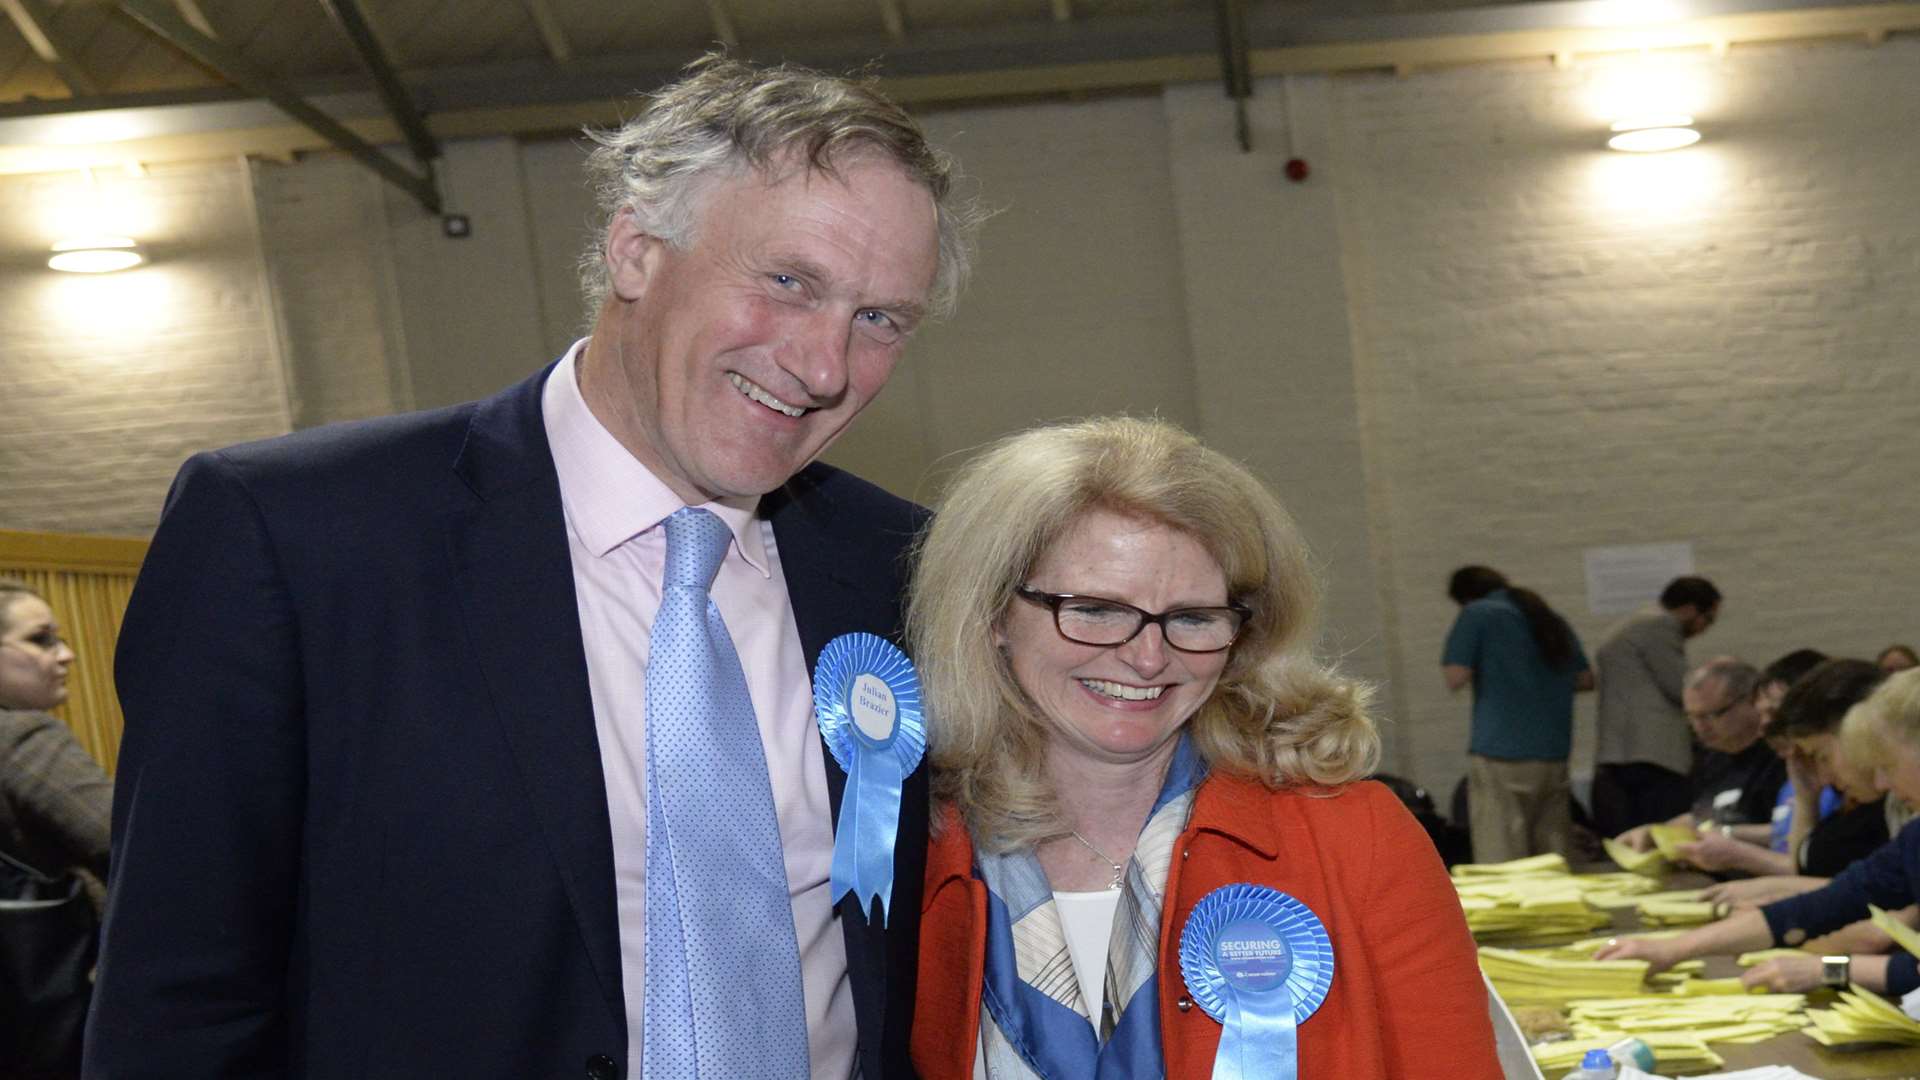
1035,1018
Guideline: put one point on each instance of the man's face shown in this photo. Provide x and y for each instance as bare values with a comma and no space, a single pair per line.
1719,721
1694,622
727,366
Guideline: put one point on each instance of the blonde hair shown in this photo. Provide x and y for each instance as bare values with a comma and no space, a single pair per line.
1895,705
1861,740
1277,714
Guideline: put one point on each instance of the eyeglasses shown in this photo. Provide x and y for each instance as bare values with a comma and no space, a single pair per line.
1094,620
1710,717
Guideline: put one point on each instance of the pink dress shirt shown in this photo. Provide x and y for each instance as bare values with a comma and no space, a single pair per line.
614,508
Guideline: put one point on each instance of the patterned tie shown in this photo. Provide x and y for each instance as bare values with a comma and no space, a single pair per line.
723,991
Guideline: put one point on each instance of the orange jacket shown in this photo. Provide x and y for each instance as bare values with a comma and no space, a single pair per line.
1407,998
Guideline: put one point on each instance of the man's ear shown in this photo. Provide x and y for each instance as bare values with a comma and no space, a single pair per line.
633,256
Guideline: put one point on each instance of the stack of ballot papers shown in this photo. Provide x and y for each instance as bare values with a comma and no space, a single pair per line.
1672,1051
1734,1018
1557,976
1537,898
1761,1073
1860,1017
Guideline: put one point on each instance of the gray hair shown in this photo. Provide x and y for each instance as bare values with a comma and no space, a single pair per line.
1737,677
727,115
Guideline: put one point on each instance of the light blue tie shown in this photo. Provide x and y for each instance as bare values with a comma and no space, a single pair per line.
724,999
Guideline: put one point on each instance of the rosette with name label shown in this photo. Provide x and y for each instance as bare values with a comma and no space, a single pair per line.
1259,962
866,697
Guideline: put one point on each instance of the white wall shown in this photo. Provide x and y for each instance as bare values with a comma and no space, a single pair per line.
1471,336
108,382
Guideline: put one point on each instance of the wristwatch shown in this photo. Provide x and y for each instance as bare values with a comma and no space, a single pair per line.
1836,971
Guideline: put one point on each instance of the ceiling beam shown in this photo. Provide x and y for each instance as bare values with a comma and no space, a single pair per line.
393,93
196,18
159,17
723,31
35,22
532,99
1236,68
894,20
552,35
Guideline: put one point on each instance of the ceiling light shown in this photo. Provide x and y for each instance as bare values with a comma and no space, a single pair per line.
96,255
1653,133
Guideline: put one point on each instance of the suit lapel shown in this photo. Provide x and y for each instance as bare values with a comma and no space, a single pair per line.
829,601
515,577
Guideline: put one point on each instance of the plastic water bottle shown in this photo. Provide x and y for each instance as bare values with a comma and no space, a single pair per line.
1632,1051
1595,1066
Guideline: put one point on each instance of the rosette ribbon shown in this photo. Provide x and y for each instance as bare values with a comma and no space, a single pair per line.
1259,962
866,697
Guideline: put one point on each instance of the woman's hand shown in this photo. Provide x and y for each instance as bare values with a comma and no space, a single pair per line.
1639,838
1715,851
1785,975
1760,891
1660,954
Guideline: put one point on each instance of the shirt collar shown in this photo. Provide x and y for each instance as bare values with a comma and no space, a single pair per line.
608,496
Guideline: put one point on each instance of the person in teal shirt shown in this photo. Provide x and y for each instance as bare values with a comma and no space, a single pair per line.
1525,664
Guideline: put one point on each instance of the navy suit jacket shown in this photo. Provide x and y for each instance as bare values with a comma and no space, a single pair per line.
360,826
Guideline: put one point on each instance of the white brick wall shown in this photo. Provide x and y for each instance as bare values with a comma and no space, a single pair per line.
108,383
1730,362
1471,337
324,243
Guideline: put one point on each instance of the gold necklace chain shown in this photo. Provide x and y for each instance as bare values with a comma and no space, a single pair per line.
1119,869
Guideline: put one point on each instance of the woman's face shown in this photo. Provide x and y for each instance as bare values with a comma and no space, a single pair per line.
33,659
1836,769
1899,771
1116,703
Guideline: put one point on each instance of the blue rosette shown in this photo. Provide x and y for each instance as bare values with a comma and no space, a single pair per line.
1259,962
866,696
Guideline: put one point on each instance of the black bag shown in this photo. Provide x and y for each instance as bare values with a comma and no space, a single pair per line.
49,936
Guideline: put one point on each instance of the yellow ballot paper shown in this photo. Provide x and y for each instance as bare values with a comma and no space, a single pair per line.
1668,839
1903,935
1639,862
1860,1017
1532,864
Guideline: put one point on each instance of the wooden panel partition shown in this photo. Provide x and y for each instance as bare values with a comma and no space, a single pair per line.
86,580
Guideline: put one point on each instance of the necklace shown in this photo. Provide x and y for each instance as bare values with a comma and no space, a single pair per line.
1119,869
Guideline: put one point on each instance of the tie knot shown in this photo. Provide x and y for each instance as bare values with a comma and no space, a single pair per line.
696,543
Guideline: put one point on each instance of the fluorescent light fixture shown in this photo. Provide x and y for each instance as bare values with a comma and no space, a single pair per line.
96,255
1653,133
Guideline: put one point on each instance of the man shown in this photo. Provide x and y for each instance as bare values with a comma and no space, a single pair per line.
1525,664
1645,751
1739,776
392,792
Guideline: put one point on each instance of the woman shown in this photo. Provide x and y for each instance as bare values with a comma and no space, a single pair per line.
1112,626
54,805
54,800
1889,878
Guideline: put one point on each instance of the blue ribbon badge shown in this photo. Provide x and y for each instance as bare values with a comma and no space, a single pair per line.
867,697
1259,962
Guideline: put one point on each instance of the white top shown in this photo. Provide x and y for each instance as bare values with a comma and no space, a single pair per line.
614,507
1086,918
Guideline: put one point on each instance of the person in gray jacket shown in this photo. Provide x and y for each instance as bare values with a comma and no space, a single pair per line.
1645,750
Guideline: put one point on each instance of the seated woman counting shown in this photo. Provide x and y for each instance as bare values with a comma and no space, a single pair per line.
1139,763
1889,878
